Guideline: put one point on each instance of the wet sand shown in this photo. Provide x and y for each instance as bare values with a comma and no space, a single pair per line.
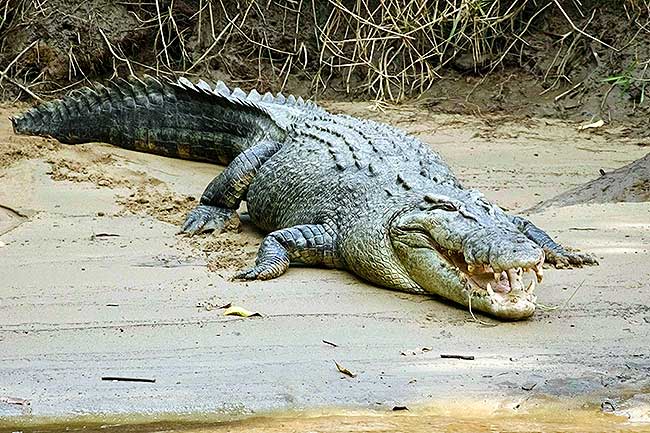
94,282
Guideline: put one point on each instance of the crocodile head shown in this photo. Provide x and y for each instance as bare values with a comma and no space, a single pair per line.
467,250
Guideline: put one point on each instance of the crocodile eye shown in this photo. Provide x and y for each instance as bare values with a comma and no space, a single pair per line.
439,202
438,206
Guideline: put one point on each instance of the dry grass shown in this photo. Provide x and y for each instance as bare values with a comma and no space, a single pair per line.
387,48
400,47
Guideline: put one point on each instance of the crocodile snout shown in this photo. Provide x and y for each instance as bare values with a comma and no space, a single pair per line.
501,250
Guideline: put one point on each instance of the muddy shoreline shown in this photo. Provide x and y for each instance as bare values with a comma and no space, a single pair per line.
96,283
521,415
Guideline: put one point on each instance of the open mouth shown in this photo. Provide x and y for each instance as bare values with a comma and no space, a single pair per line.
502,286
503,291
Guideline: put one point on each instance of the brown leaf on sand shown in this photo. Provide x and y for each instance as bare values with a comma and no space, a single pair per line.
344,370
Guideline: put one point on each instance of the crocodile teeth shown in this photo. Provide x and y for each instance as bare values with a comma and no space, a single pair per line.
539,273
511,278
489,289
514,278
531,286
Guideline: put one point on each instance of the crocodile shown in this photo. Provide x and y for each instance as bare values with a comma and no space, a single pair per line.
330,190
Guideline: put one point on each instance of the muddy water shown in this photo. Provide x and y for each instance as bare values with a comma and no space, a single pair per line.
466,417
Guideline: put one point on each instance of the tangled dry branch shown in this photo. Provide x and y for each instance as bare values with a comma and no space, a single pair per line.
388,48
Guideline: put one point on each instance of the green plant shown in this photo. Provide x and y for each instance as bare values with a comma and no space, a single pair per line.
627,80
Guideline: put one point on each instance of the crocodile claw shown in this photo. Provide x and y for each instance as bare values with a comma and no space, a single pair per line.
570,259
265,270
248,274
256,273
205,218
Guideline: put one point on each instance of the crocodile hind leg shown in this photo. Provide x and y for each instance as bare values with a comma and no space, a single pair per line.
554,252
312,244
220,200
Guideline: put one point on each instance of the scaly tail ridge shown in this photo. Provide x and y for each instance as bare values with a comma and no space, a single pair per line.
176,119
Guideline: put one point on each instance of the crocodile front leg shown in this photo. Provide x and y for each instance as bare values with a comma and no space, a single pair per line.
554,252
313,244
222,197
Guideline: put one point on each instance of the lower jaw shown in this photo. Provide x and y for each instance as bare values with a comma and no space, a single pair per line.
513,307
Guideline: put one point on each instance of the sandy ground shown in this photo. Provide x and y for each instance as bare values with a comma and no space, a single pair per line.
94,282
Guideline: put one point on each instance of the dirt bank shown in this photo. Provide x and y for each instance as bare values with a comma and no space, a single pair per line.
582,61
96,283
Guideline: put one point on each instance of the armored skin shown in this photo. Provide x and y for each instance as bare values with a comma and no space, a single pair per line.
330,190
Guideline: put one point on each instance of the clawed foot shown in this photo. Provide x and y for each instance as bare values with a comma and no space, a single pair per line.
568,259
272,261
264,270
204,218
256,273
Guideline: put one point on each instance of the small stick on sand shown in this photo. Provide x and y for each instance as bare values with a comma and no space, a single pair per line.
465,357
128,379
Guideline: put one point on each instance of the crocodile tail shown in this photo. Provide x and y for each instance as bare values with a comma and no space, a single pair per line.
176,119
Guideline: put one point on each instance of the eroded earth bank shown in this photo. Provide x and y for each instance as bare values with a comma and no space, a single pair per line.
95,282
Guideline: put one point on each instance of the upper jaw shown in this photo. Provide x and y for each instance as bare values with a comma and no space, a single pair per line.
515,306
